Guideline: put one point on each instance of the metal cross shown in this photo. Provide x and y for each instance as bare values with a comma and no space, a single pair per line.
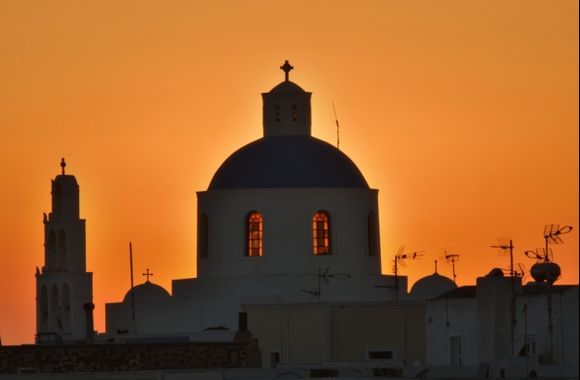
147,274
62,165
286,67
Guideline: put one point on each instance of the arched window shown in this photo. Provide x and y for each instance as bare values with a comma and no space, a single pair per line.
55,318
65,308
321,233
50,259
372,234
61,250
43,309
202,237
255,230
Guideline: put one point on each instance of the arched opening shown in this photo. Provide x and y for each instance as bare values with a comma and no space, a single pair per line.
254,235
56,198
321,233
372,234
202,237
43,309
65,308
61,250
50,250
55,318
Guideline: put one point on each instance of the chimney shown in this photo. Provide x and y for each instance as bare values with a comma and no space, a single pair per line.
89,307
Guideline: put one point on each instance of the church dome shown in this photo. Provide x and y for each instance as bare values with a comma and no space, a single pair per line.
431,286
288,162
147,292
287,86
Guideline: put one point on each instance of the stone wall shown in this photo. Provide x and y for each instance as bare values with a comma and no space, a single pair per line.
127,357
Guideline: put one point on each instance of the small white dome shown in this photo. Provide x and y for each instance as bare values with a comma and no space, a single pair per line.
431,286
147,292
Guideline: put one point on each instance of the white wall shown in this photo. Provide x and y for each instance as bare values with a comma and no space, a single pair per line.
287,231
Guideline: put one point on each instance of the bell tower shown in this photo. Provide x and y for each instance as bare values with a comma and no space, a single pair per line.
286,108
63,286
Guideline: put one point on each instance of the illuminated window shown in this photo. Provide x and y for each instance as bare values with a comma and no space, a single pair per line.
255,234
321,233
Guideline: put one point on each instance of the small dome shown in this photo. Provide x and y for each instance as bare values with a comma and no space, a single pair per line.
495,272
287,86
431,286
147,292
287,162
66,180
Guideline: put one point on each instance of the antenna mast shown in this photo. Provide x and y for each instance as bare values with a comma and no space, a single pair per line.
452,258
400,259
511,249
132,293
513,293
337,127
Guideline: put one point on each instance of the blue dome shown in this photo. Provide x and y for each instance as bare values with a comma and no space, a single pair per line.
287,162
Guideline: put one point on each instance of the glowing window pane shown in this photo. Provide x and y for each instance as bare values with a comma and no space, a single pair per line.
321,233
255,235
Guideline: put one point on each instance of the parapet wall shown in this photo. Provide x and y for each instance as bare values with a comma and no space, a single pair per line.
127,357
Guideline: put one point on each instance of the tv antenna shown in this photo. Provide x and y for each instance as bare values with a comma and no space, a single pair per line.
337,127
324,276
521,271
552,234
399,259
541,255
401,256
509,247
452,258
544,270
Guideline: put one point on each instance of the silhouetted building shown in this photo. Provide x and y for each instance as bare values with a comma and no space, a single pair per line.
286,220
63,286
500,328
288,236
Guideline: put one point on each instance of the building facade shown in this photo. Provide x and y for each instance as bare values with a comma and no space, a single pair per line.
63,286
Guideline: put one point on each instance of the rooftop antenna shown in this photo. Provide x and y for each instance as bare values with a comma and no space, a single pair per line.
552,234
324,276
521,271
452,258
132,286
544,270
399,259
337,127
509,247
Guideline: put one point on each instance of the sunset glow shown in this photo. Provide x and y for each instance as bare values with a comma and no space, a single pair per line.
463,114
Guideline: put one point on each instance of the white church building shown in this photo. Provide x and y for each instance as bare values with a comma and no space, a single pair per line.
286,220
288,235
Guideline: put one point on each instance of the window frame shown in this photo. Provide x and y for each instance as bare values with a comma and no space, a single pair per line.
321,242
254,235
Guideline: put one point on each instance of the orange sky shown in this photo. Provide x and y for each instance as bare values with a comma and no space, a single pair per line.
463,114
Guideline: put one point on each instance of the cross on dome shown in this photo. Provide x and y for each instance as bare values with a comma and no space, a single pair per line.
286,67
147,274
62,165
